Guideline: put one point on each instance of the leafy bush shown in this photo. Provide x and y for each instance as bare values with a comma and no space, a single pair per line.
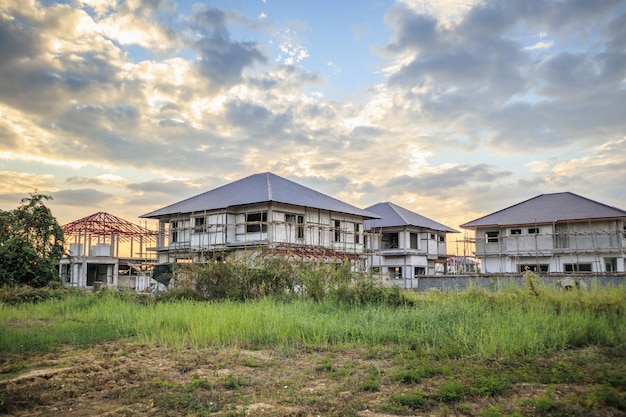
26,294
234,279
451,390
415,399
490,385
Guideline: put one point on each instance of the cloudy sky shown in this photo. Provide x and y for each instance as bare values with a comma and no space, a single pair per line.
451,108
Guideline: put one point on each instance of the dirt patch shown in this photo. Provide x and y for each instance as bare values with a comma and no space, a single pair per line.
121,379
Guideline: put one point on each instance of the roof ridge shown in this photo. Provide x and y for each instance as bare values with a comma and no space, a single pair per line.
269,186
596,202
395,208
506,208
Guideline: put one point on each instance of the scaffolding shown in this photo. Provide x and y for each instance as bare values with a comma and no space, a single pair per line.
567,247
186,239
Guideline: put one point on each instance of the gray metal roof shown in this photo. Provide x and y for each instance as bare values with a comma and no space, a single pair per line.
259,188
393,215
548,208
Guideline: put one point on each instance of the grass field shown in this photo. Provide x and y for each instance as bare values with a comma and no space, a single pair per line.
477,353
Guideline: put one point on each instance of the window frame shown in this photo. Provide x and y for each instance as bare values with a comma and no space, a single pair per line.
297,220
174,225
492,236
336,230
572,268
413,239
254,225
199,224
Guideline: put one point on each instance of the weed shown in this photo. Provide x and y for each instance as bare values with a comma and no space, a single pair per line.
197,382
414,400
251,363
546,403
234,382
530,279
604,395
324,364
491,385
373,380
415,374
492,411
450,390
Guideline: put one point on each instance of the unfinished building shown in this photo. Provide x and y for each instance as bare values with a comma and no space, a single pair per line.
107,250
410,245
552,233
261,212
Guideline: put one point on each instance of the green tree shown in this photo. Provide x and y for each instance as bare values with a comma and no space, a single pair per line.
31,243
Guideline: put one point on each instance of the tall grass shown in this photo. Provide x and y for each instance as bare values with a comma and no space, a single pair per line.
475,322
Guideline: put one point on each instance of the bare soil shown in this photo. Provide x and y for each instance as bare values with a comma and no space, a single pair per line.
124,379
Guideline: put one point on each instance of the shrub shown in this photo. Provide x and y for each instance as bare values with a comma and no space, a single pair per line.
236,279
415,399
373,380
26,294
450,390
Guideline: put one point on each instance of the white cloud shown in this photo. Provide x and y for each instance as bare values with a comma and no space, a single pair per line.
446,10
333,67
538,167
540,45
292,54
13,182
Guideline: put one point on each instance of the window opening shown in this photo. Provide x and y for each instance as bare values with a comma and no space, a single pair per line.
174,231
577,267
610,264
413,240
298,220
390,240
256,222
516,231
198,225
492,237
337,230
534,268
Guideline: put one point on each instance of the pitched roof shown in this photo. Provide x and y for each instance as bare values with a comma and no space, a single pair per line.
259,188
105,224
548,208
393,215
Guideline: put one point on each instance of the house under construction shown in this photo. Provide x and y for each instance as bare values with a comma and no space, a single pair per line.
107,250
552,233
265,213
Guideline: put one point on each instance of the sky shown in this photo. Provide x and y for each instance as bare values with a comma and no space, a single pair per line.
451,108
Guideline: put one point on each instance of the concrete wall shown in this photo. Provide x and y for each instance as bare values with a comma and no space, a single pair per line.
495,282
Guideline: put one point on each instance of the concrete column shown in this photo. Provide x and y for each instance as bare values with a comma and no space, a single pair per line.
114,275
82,282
